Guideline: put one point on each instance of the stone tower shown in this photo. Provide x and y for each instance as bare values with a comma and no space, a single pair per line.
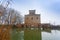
32,19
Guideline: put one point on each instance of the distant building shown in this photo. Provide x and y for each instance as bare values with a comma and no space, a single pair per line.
32,19
46,26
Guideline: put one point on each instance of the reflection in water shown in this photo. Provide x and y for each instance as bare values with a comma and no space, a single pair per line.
35,34
27,34
54,35
17,34
22,35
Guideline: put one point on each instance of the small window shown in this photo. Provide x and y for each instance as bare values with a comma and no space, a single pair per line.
37,18
32,18
27,17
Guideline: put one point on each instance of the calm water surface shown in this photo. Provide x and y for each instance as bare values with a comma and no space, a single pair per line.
54,35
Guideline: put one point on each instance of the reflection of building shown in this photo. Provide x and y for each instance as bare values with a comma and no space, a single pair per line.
32,19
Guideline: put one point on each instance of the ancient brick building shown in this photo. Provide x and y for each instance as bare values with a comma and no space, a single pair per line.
32,19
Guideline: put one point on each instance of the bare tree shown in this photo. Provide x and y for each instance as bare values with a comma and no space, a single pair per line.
10,16
14,17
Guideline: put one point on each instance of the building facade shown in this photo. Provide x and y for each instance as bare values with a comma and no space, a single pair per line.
32,19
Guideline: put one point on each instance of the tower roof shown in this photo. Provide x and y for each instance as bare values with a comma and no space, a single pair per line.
32,12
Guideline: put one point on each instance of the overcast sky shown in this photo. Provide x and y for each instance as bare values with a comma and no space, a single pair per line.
49,9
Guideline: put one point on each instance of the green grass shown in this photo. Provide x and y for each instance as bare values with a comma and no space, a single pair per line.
32,35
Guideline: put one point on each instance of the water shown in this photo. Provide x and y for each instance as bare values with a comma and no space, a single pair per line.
45,34
17,35
54,35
